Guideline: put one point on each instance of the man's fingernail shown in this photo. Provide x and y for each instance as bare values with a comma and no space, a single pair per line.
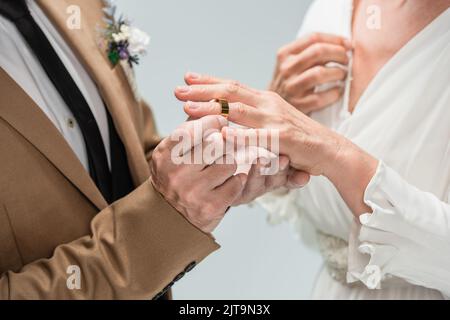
193,75
183,89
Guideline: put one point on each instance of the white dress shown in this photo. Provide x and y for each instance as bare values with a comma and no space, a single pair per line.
402,250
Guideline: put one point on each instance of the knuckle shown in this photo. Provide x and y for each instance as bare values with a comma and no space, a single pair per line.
236,83
232,88
285,68
241,110
274,96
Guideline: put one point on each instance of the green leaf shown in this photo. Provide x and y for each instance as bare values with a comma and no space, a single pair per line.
114,57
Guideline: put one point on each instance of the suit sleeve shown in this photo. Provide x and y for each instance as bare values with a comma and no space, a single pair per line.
139,246
150,136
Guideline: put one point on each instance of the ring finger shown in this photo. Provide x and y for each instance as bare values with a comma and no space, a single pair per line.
238,113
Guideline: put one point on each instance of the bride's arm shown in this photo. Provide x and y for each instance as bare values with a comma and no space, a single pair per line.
310,146
404,232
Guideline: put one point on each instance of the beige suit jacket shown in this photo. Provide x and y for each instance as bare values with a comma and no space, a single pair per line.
52,216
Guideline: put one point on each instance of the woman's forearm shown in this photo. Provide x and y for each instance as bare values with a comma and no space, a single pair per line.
351,172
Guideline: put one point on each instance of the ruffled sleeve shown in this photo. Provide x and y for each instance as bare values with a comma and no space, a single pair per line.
406,238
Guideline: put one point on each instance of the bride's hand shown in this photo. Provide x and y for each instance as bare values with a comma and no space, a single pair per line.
310,146
303,65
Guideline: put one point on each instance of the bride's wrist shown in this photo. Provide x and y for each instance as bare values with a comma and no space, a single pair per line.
350,161
351,172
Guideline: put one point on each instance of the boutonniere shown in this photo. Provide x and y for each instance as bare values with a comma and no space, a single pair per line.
124,43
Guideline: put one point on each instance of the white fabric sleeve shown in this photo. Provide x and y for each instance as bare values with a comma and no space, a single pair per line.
406,237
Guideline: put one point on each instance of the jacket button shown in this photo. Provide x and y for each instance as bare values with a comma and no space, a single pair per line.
159,295
190,267
179,277
167,288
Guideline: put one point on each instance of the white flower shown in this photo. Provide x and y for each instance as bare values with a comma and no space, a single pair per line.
138,41
119,37
123,35
125,30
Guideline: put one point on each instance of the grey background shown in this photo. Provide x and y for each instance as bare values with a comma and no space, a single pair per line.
235,39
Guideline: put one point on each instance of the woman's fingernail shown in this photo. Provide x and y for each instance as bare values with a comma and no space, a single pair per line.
183,89
193,75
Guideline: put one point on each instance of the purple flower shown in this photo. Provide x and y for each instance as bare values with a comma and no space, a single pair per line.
123,53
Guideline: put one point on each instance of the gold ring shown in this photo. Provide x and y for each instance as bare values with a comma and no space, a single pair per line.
225,107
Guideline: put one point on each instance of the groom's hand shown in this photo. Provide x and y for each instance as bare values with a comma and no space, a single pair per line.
200,191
